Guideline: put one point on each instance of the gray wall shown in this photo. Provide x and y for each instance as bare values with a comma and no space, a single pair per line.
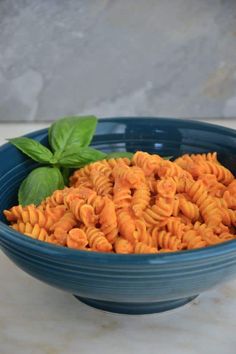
117,57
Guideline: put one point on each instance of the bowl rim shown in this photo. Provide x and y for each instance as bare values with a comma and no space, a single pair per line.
51,250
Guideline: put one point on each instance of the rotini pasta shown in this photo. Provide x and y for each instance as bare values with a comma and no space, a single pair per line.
148,163
123,246
97,240
101,183
77,238
108,220
140,199
126,224
34,231
143,205
121,194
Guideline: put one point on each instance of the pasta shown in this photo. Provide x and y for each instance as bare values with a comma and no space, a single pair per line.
135,206
34,231
77,238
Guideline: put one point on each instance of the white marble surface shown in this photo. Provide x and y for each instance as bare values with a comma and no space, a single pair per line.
135,57
38,319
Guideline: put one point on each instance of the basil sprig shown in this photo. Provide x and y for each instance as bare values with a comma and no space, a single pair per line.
69,140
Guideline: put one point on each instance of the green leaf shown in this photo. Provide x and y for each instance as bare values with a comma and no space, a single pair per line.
70,131
39,184
65,171
115,155
76,157
33,149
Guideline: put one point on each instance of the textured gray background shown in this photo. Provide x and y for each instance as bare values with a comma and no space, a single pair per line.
130,57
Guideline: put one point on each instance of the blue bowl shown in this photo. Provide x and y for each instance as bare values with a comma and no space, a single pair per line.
133,284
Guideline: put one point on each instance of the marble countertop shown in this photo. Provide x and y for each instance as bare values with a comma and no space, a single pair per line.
38,319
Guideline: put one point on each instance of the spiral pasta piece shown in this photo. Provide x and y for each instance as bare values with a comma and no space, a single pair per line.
82,212
176,227
29,214
189,209
84,181
108,220
184,161
77,239
101,183
206,204
97,202
126,224
140,199
74,206
142,248
226,236
162,210
103,166
210,156
84,192
228,216
192,239
232,188
97,240
164,239
170,169
34,231
61,227
33,215
123,246
166,188
87,215
214,187
222,174
164,207
141,233
14,213
182,183
187,160
230,200
148,163
127,175
122,195
117,162
57,198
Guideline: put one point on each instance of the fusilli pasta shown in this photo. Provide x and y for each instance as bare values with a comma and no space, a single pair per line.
143,205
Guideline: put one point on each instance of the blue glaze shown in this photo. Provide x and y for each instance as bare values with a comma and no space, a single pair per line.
132,284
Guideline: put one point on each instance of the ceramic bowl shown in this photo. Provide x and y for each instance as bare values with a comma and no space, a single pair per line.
133,284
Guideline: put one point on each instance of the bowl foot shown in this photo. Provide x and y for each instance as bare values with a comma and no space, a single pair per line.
136,308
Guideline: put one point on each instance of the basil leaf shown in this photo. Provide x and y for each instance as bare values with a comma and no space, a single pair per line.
167,157
75,157
115,155
66,132
33,149
65,171
39,184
